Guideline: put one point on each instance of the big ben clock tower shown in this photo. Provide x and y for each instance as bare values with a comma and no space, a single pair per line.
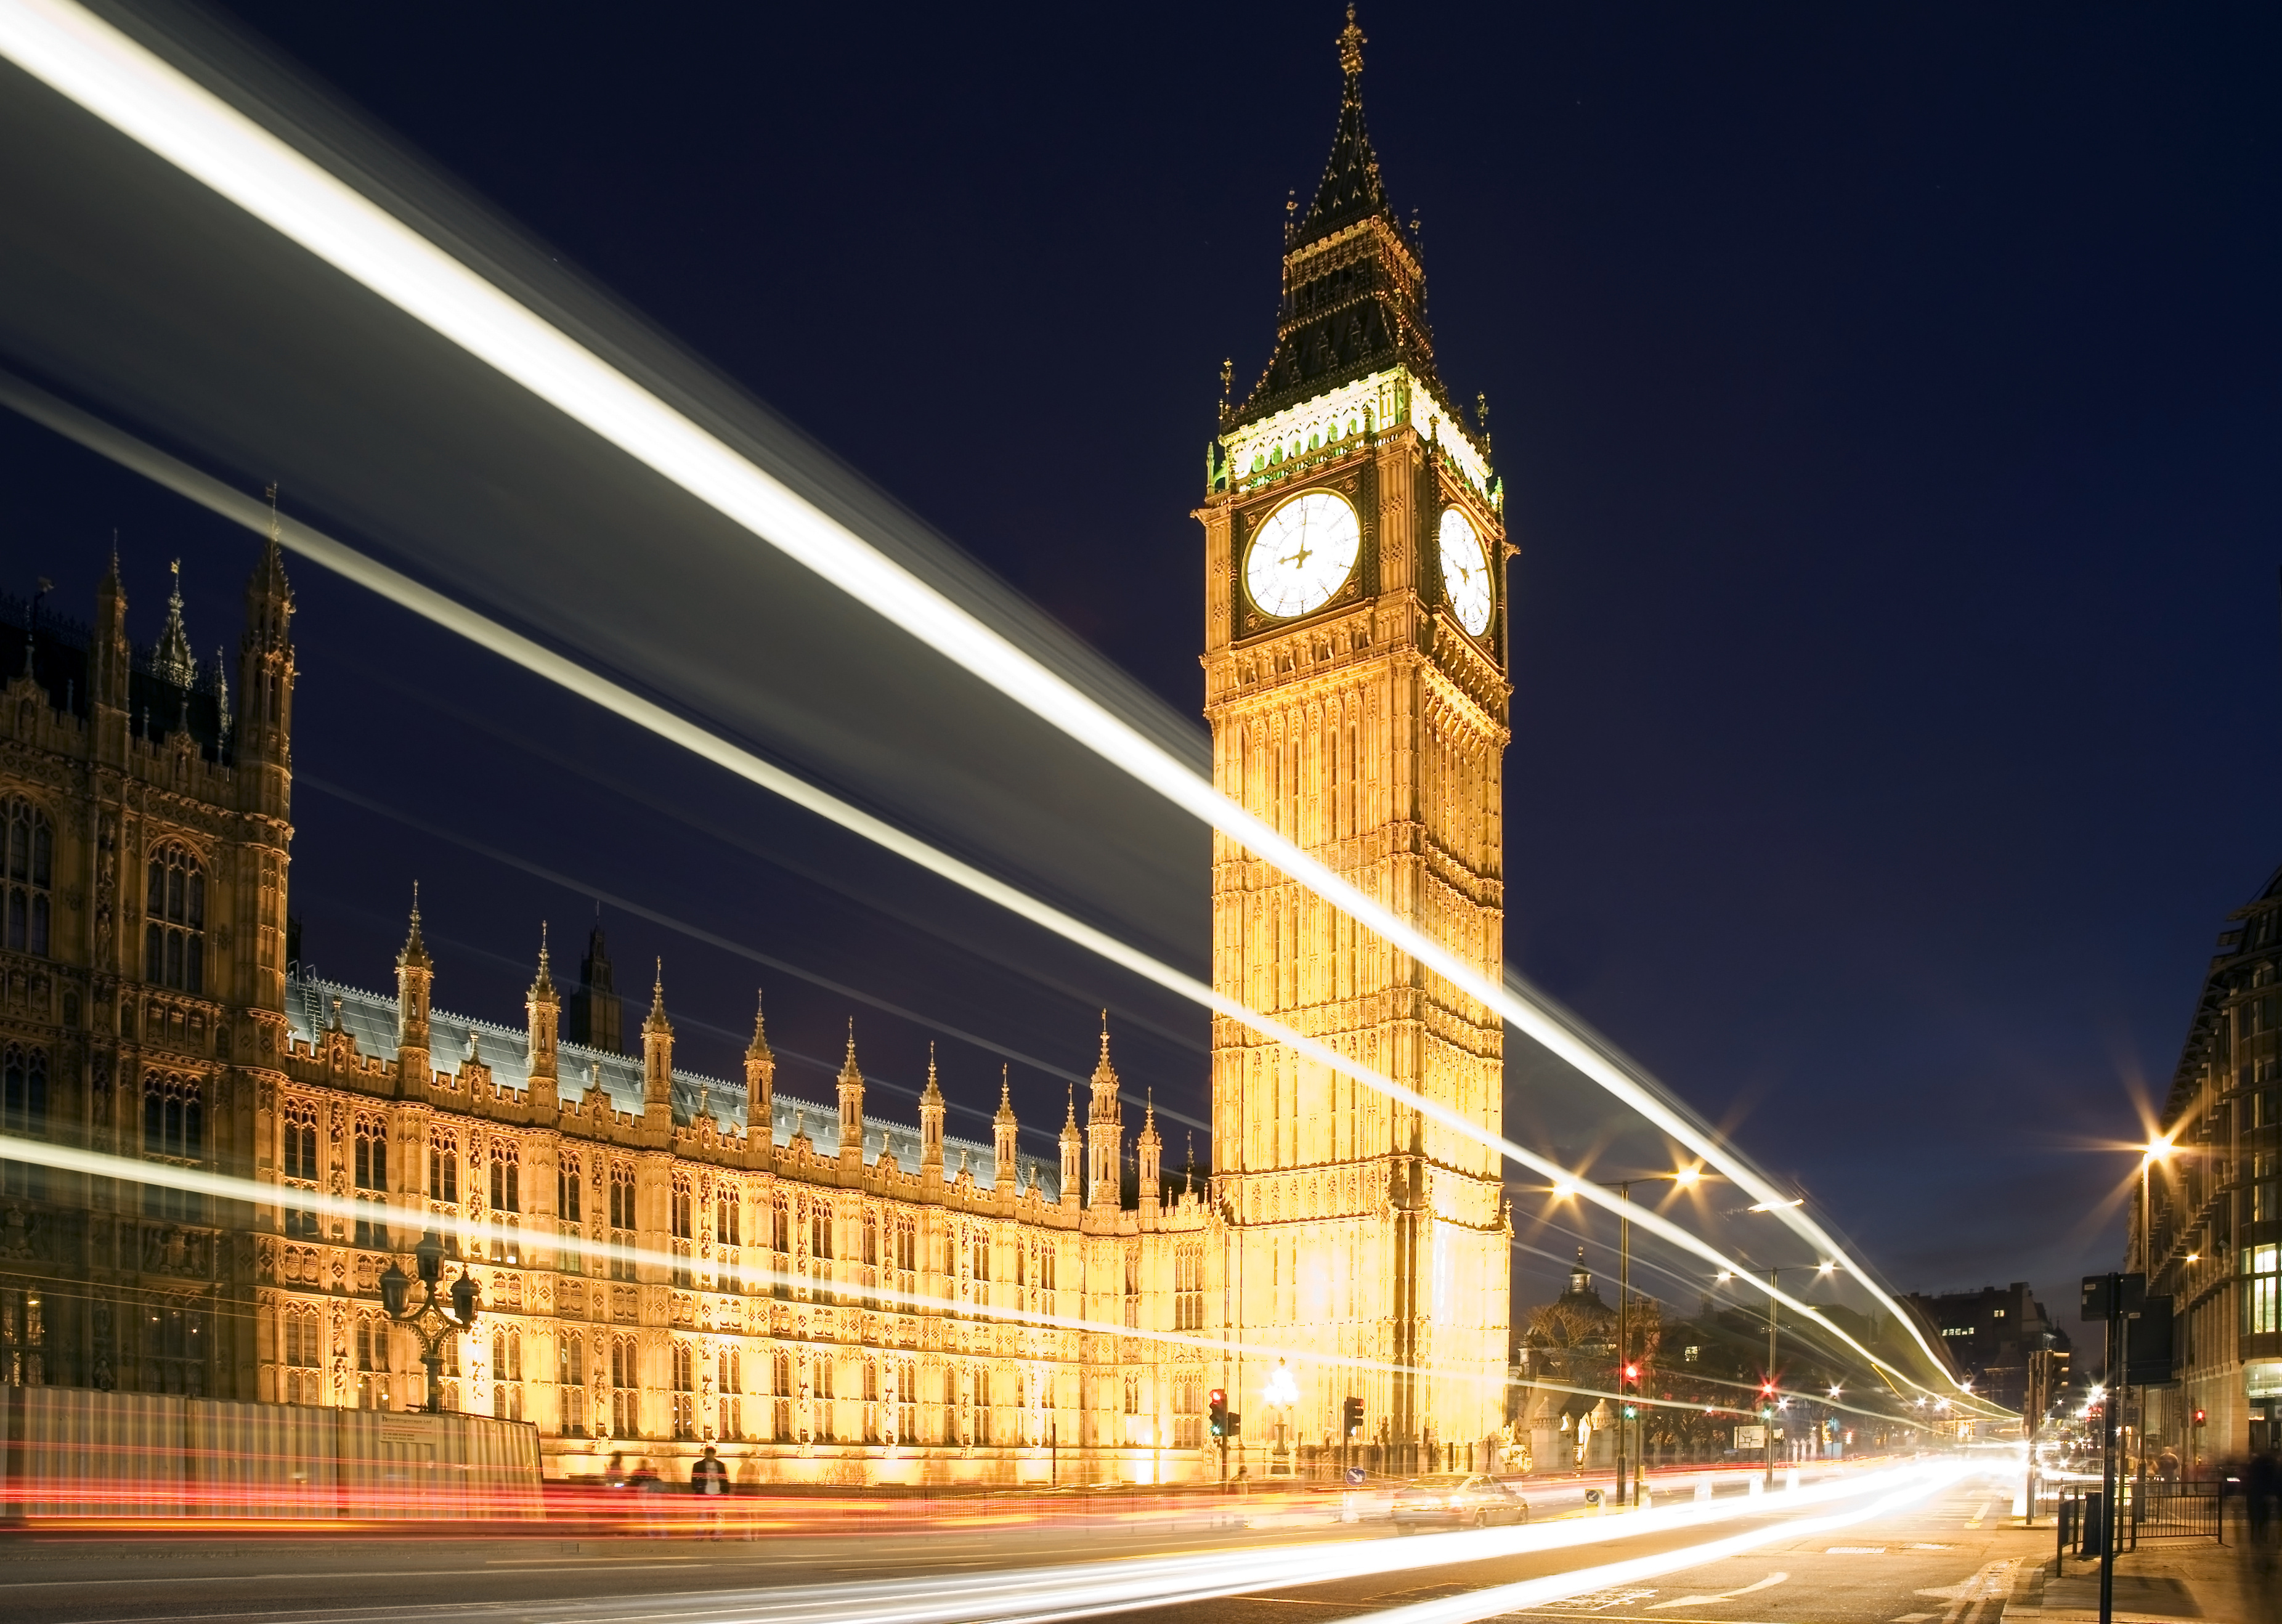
1355,681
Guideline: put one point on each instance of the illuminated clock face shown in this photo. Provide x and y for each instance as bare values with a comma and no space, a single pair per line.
1302,555
1465,572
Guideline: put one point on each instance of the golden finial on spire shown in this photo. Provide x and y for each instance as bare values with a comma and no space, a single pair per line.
1351,44
275,533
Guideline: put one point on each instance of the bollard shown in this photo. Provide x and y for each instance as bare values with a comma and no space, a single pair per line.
1791,1482
1754,1487
1702,1489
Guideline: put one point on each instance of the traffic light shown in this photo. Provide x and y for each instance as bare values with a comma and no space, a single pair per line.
1631,1413
1351,1417
1632,1373
2198,1418
1219,1412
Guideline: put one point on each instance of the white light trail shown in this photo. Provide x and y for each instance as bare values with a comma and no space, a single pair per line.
534,657
146,98
1495,1600
1037,1595
475,1237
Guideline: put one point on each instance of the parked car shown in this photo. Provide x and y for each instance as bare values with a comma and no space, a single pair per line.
1456,1500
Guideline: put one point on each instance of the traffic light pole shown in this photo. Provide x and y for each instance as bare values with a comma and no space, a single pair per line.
1767,1436
1624,1322
2108,1411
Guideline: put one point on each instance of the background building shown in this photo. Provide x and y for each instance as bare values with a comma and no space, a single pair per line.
2209,1232
1989,1334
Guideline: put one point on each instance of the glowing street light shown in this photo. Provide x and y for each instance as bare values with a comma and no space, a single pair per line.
1627,1372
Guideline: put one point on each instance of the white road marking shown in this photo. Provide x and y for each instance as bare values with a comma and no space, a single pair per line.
1725,1596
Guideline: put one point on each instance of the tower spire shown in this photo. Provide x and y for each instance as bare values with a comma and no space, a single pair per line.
414,952
173,659
1003,1130
545,981
658,1055
760,1081
543,1009
1353,287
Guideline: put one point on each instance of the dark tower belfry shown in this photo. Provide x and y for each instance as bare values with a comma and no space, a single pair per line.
1355,287
595,1011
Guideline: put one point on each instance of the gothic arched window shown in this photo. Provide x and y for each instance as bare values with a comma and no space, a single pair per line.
300,1132
371,1173
175,941
30,857
24,1091
24,1111
174,1130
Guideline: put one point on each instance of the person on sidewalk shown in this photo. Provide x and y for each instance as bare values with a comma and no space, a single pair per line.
709,1480
647,1486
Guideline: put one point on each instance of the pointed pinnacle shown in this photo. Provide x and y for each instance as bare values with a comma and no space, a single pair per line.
545,981
415,951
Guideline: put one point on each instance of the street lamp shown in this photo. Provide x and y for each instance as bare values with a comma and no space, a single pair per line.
1767,1389
1280,1394
1627,1371
430,1320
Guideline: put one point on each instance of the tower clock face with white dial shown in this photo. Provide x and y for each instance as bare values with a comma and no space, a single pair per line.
1302,554
1465,572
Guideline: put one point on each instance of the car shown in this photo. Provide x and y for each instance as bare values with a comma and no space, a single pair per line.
1456,1500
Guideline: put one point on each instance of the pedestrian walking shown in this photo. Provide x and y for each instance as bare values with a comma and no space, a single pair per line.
645,1484
709,1480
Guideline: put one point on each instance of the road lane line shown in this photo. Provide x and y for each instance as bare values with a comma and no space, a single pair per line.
1726,1595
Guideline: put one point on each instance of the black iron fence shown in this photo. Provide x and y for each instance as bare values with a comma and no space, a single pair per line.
2160,1511
2152,1510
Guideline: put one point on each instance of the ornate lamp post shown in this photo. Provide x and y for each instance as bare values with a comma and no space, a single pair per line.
430,1320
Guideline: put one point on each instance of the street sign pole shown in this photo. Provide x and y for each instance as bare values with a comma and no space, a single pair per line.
2107,1417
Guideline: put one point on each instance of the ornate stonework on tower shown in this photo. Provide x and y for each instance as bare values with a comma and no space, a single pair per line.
1355,677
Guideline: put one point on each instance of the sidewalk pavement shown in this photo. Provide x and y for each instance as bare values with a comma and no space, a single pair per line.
2156,1584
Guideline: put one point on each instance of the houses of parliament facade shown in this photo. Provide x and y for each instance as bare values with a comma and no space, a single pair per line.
821,1294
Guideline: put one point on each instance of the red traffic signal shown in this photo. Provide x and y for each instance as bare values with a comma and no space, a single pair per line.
1217,1406
2198,1418
1767,1388
1632,1373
